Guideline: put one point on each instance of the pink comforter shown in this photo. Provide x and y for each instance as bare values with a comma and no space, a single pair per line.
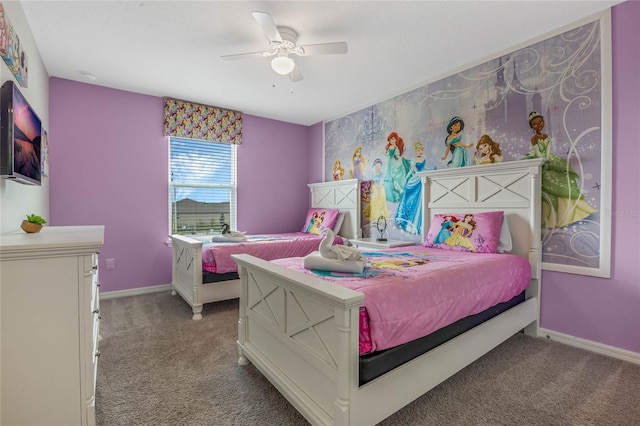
411,292
216,257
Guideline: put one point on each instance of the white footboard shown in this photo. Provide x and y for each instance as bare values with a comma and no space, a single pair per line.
301,333
186,276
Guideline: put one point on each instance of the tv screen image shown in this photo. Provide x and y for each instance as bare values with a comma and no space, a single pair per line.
20,137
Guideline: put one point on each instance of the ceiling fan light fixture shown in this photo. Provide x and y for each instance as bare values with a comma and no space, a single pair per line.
283,65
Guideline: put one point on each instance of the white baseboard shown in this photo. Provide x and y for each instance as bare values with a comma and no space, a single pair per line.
589,345
135,291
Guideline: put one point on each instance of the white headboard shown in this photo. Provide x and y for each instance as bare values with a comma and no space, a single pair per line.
343,195
513,187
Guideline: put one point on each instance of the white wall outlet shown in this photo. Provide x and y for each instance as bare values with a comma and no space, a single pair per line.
111,263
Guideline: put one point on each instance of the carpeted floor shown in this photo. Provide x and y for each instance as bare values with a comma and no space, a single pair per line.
158,367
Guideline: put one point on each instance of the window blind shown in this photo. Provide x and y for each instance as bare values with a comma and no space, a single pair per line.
202,186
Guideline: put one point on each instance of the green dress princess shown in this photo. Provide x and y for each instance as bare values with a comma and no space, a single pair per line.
563,202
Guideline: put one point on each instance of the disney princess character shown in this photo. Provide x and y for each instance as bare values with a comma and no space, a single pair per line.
409,211
398,264
312,220
377,201
338,170
563,202
487,151
445,229
462,230
4,35
317,223
358,165
454,145
397,168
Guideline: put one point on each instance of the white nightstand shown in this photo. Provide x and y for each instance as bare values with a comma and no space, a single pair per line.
371,243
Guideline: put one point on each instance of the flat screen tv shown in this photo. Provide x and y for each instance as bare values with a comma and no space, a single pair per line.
20,137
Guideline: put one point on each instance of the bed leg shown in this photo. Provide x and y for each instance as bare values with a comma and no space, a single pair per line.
197,313
242,360
532,329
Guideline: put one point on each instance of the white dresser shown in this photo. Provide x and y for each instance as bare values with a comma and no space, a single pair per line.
49,322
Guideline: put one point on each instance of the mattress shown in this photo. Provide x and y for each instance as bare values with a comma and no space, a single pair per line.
216,257
410,292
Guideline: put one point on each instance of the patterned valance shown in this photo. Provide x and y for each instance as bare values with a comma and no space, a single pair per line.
195,121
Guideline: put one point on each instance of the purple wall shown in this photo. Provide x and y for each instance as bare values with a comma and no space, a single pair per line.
273,165
109,165
608,310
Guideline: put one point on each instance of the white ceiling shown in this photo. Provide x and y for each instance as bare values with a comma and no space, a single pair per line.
173,48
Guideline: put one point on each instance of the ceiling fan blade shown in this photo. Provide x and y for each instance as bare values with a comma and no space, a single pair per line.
268,26
295,75
324,49
246,56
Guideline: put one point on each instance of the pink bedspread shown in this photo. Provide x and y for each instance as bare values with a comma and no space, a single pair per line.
411,292
216,257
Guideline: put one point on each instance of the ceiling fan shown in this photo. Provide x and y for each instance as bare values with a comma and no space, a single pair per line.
282,44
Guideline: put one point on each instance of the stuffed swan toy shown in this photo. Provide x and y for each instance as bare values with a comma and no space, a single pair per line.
335,258
342,253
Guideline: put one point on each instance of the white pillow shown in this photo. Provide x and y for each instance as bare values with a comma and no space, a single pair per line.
338,224
505,244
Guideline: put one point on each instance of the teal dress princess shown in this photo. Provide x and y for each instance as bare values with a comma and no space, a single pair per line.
458,154
454,145
394,179
409,212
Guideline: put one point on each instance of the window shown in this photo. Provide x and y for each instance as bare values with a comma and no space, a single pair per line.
202,186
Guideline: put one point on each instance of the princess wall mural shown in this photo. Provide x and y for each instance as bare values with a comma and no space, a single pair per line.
546,100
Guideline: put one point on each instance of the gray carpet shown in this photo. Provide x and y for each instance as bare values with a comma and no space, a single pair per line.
158,367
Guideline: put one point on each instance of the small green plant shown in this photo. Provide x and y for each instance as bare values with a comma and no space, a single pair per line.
34,218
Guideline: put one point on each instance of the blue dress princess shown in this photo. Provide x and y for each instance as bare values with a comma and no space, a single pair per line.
409,212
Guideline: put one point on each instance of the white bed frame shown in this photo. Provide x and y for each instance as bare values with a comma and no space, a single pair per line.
301,332
186,275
